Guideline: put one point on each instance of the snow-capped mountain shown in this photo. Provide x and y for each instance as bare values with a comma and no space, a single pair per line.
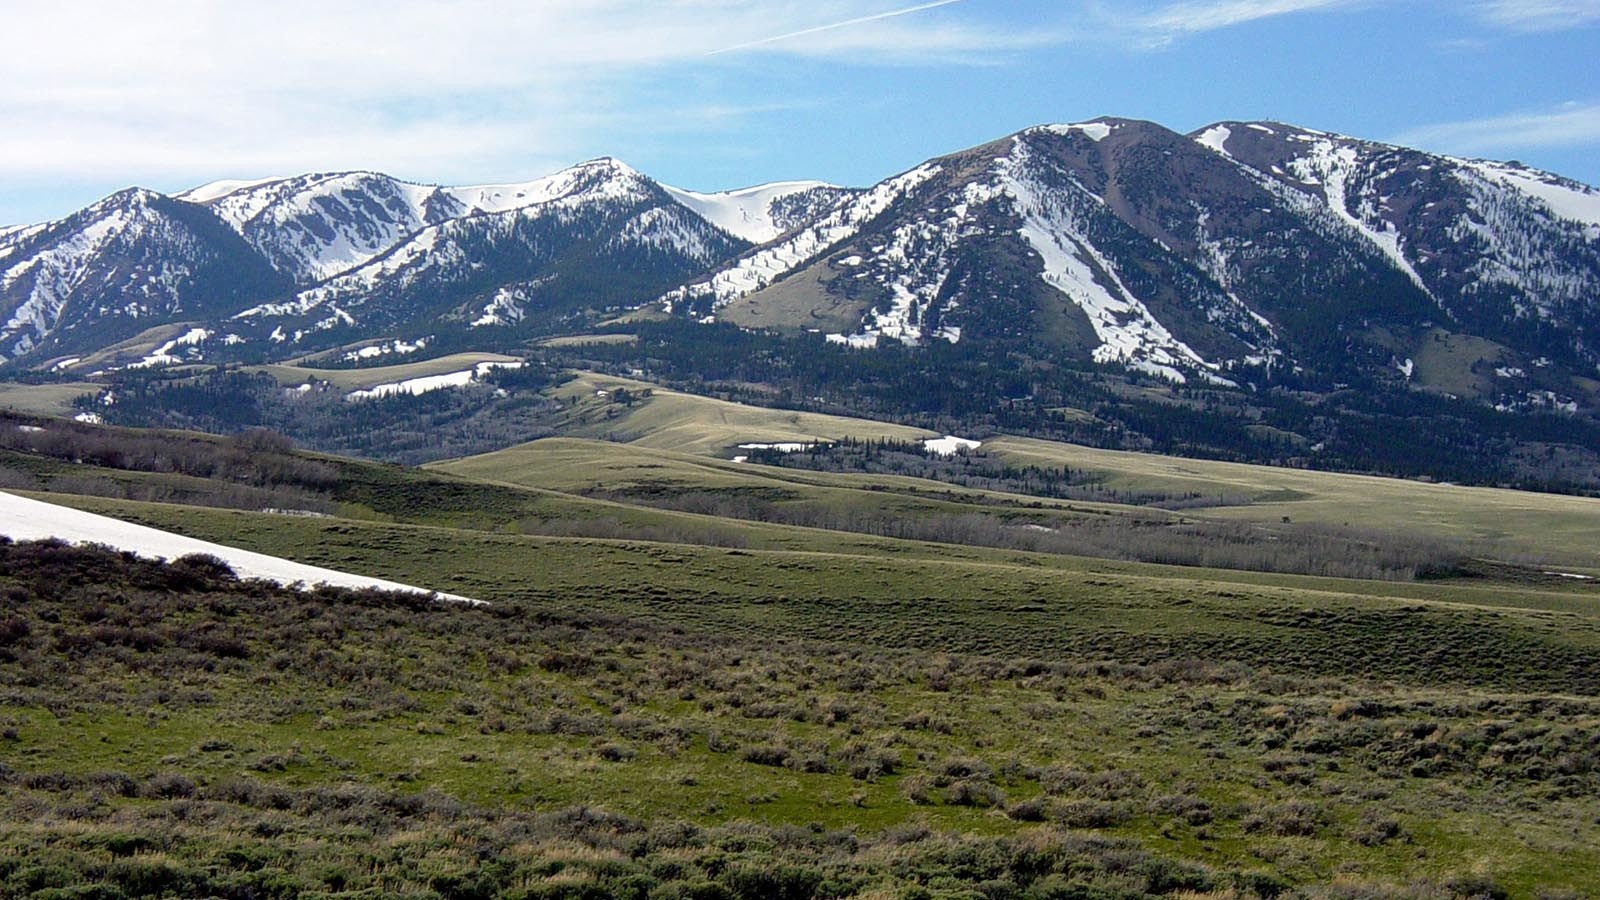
1504,250
599,233
315,226
1003,242
1246,253
133,260
1239,253
361,251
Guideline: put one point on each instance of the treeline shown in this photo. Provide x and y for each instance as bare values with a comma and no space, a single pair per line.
886,456
225,496
258,457
255,469
506,407
1364,426
978,470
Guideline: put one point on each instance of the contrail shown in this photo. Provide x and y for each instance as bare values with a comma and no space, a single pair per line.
830,27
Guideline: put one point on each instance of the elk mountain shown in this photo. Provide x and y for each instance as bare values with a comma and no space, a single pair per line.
1245,255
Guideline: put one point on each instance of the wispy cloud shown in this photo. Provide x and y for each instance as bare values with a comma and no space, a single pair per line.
1539,15
1571,125
834,26
1196,16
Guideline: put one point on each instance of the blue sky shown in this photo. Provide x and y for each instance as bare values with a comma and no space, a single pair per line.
715,94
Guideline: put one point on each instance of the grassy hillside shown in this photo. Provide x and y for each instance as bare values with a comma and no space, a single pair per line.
44,399
132,349
940,598
1518,524
680,726
670,420
671,696
1549,526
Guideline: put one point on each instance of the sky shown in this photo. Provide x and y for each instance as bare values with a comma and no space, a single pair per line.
718,94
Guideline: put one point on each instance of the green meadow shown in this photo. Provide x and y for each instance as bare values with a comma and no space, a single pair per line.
701,678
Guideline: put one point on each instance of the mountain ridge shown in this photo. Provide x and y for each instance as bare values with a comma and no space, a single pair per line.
1241,255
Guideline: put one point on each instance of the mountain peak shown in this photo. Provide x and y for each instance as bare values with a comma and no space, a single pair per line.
607,164
136,197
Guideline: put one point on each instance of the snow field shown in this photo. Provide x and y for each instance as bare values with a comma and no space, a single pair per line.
744,213
25,519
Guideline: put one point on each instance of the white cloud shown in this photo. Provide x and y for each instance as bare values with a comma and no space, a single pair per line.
166,91
1539,15
1196,16
1574,124
469,89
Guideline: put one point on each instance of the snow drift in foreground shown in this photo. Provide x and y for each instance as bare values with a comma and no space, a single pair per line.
22,519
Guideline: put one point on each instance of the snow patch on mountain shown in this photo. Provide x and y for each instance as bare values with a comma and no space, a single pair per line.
914,265
1566,199
855,341
216,190
599,179
316,226
1128,332
426,383
1337,168
424,251
913,261
435,250
40,285
1509,227
1216,138
1096,131
54,273
320,226
395,347
13,236
746,213
164,355
507,306
783,446
503,309
949,445
669,229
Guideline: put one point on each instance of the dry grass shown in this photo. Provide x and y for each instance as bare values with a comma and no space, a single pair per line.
590,340
669,420
133,348
44,399
1445,362
1542,525
796,303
